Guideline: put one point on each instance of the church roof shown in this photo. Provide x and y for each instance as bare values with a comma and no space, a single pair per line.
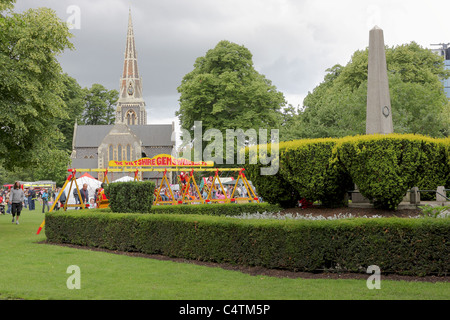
150,135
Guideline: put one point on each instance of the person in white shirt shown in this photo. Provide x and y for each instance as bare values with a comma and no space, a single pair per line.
16,199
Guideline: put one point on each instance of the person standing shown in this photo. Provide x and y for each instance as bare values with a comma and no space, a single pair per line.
16,199
25,199
75,196
62,199
7,197
31,199
84,194
45,201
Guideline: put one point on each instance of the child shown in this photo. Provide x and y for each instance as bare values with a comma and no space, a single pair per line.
92,204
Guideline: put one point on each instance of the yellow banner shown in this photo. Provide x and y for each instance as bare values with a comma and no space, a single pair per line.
161,160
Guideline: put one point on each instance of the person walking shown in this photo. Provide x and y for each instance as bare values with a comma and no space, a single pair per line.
16,199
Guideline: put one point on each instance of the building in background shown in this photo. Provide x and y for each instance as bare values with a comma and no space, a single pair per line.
443,49
130,138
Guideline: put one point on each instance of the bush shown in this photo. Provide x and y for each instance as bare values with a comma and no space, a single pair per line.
435,167
307,165
402,246
385,167
130,197
273,188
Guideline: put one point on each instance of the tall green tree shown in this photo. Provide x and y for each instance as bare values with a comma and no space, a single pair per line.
337,107
73,97
99,105
6,5
31,83
224,91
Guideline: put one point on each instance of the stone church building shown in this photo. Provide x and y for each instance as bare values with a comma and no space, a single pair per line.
130,138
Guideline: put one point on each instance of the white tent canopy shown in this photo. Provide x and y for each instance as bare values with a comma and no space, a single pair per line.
124,179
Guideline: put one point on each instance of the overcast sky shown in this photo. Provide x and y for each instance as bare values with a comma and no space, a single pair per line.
293,42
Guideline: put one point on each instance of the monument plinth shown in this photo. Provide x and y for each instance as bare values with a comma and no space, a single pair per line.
379,114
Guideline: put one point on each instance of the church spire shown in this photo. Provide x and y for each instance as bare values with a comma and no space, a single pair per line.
131,106
130,82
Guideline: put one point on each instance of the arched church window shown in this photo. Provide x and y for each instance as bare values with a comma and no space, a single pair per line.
131,118
110,153
119,153
129,153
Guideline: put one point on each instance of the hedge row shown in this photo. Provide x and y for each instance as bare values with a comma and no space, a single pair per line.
384,167
403,246
130,196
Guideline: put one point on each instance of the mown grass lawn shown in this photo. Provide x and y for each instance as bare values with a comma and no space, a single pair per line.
30,270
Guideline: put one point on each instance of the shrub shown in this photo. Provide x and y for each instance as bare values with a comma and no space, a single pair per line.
385,167
129,197
274,188
402,246
434,170
307,165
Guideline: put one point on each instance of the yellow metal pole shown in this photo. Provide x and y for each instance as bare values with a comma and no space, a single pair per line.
57,198
235,185
170,189
196,187
70,190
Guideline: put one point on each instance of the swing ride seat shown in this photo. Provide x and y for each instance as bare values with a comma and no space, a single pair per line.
102,204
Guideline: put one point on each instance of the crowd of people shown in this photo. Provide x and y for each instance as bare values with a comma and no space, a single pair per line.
13,200
16,198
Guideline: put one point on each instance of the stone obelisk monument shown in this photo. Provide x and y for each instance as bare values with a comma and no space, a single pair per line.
379,114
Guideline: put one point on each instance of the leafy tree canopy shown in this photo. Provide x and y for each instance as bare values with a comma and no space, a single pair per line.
99,106
337,107
224,91
31,83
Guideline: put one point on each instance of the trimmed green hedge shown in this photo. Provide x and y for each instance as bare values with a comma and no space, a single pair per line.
273,188
307,165
130,197
384,167
436,172
402,246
